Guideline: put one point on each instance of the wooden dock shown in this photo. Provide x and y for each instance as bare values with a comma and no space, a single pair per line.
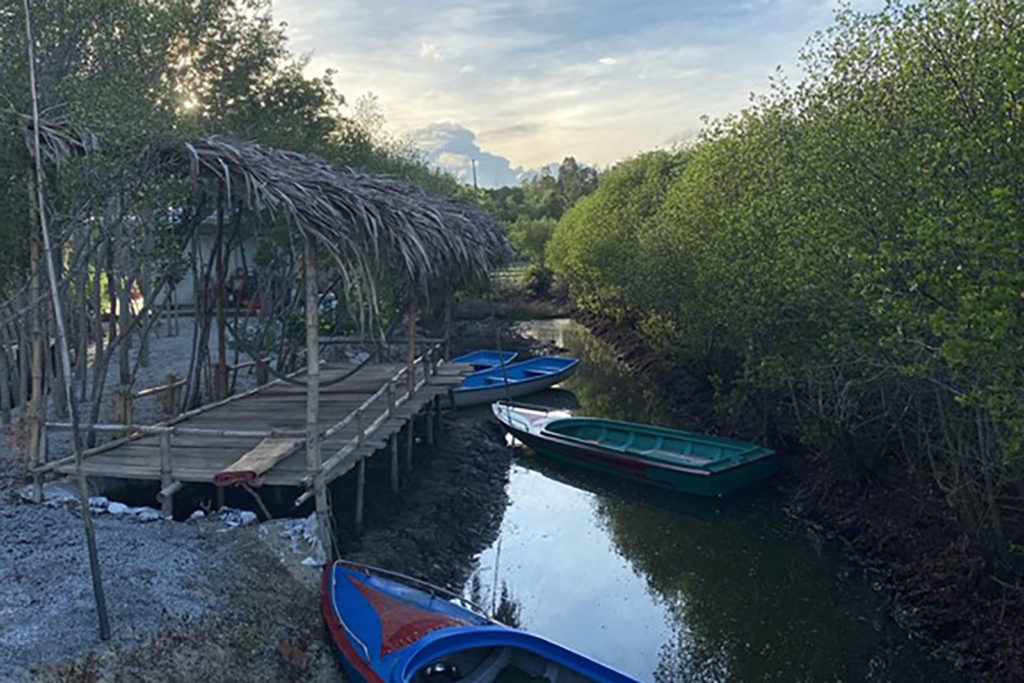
258,437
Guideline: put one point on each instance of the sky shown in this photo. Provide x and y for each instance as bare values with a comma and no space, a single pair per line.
518,84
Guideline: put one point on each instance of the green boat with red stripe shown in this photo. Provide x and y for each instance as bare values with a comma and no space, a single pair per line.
689,462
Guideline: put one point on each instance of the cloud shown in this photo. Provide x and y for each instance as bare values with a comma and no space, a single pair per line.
453,148
540,80
429,52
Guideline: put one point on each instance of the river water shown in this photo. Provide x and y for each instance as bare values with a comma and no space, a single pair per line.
672,588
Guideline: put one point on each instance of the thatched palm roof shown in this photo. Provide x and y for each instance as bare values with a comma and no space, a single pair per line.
358,218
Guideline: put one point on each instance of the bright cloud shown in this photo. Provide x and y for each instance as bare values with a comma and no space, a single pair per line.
533,81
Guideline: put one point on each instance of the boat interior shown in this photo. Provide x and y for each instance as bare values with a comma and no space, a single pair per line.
497,665
646,443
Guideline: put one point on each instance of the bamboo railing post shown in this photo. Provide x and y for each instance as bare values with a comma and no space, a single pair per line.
448,325
360,428
360,494
391,398
393,443
262,371
167,503
411,351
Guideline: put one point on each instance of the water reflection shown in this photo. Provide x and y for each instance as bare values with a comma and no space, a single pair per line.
675,588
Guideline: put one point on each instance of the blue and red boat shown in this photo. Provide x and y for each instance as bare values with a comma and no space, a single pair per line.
391,632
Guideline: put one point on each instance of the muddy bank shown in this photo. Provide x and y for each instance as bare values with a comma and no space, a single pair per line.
933,583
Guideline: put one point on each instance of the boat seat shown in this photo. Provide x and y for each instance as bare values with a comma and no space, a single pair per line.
489,669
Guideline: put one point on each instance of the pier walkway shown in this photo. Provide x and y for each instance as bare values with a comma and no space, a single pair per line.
258,437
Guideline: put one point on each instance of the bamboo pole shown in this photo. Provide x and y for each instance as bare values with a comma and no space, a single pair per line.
62,343
220,375
313,464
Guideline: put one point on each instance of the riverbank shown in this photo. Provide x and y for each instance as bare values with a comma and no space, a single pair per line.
203,599
933,583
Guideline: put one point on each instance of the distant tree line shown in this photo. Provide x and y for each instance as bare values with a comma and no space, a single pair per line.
843,262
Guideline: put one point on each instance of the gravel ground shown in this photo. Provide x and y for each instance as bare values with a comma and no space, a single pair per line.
153,573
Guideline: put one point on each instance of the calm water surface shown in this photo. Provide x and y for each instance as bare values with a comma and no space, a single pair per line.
671,588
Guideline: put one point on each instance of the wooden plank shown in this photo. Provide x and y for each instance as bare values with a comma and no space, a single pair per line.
256,462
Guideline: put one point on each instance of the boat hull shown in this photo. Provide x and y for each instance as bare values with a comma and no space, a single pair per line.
463,397
606,461
387,632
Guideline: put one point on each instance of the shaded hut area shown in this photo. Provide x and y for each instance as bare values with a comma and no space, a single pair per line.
310,310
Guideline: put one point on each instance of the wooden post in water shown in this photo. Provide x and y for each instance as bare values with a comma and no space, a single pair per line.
5,386
167,502
313,464
409,438
360,493
429,419
393,444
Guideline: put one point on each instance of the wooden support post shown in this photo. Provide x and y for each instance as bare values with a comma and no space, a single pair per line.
5,387
437,416
429,419
409,438
167,502
360,493
393,443
313,464
219,497
391,398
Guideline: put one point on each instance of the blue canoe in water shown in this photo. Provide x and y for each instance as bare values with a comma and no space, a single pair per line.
389,632
485,359
511,381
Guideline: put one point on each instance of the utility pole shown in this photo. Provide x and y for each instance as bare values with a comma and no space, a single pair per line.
477,189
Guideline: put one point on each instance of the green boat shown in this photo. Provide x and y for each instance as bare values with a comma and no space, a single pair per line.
694,463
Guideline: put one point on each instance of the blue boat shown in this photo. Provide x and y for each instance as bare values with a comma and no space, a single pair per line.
511,381
485,359
390,632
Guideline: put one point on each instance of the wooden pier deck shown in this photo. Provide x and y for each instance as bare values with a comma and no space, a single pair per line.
362,409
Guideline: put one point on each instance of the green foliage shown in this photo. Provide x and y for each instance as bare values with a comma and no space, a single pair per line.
844,258
530,236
